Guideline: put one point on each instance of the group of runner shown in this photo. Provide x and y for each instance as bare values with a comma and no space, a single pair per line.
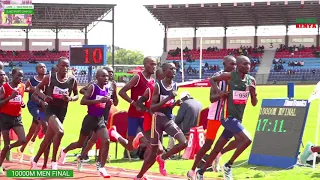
151,104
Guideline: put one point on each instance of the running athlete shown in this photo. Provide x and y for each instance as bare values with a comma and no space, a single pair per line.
163,102
96,98
144,102
138,85
33,108
59,89
11,102
240,85
92,139
217,98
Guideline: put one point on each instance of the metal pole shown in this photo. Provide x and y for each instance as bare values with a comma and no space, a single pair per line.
200,70
113,37
181,52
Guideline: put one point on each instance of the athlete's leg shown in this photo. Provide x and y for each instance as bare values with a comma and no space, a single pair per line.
44,124
89,146
102,133
30,134
36,132
57,127
6,146
231,146
150,159
44,144
213,127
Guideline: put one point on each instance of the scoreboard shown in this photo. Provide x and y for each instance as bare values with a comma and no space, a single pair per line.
88,55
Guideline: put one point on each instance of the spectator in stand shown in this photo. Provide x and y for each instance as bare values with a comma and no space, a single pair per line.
302,63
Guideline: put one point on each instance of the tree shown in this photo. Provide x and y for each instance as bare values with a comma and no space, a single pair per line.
124,56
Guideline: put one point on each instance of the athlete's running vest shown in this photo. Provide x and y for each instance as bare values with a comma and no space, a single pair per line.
97,94
238,95
57,90
33,83
13,107
216,108
166,109
136,92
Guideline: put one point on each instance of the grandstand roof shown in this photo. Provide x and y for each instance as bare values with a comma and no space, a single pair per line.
67,16
244,14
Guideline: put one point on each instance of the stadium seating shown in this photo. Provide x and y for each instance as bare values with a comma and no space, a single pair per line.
195,54
303,53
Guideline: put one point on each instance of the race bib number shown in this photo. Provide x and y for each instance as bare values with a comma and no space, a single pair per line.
100,105
59,93
16,100
240,97
170,102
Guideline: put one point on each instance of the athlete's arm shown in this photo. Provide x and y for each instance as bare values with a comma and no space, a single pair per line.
85,99
114,94
36,98
28,86
75,91
84,89
123,91
253,93
42,85
155,99
6,100
142,100
222,77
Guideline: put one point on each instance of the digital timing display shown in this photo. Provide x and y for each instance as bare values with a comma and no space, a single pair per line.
279,129
88,55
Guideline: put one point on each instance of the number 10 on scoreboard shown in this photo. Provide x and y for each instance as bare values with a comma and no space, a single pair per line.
88,55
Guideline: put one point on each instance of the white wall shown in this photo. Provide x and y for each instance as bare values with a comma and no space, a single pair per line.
306,44
215,39
272,38
237,45
67,47
41,47
173,43
20,47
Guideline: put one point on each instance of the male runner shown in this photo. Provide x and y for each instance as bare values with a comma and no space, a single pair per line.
138,85
59,89
11,102
33,108
240,85
163,102
96,98
217,98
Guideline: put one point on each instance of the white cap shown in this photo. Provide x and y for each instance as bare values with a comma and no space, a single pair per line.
184,94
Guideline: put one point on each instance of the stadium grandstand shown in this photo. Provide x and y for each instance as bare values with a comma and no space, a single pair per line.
277,56
23,46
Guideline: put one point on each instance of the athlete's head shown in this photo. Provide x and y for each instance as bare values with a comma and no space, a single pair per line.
17,75
159,74
229,63
1,65
243,64
149,64
2,76
63,65
110,72
169,70
41,69
54,69
102,76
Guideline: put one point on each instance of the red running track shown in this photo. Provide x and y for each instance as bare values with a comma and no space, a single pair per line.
89,172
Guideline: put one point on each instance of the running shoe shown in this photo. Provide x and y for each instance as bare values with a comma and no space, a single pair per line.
215,164
31,147
20,155
306,153
33,164
98,165
79,164
143,178
162,165
8,156
54,165
113,128
1,171
103,172
227,172
136,140
62,157
199,176
191,174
